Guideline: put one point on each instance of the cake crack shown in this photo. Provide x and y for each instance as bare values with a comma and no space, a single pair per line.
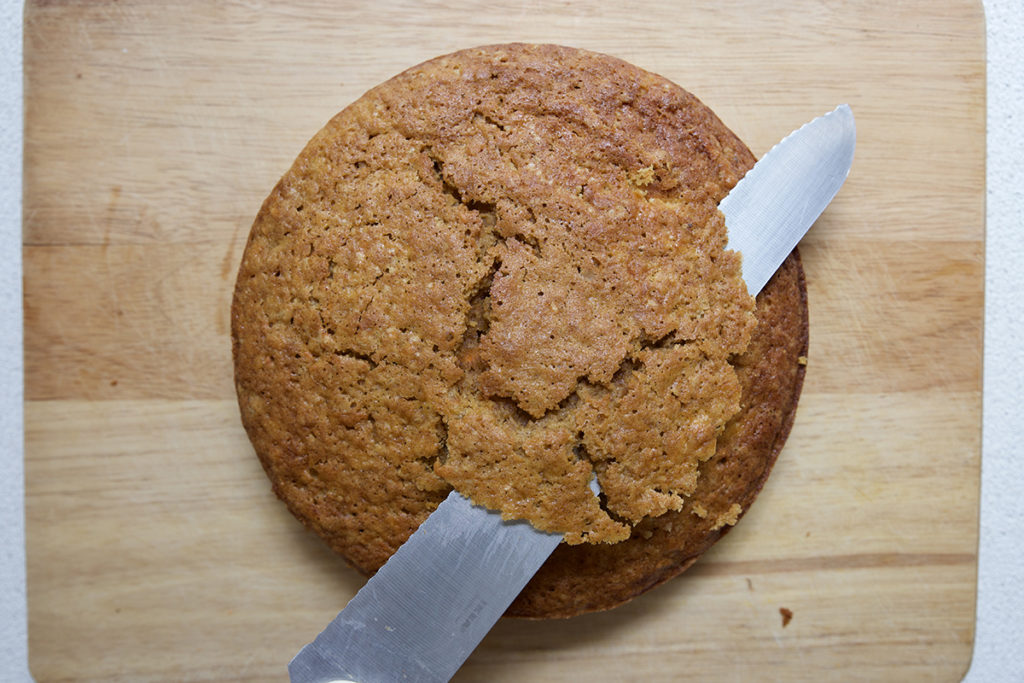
355,355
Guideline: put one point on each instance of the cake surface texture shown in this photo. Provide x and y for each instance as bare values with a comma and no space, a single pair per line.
504,271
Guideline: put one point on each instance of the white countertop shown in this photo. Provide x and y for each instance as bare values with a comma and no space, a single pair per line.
1000,626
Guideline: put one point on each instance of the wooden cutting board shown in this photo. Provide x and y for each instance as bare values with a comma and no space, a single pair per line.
152,133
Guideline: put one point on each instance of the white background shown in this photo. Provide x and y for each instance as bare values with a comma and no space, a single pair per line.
999,640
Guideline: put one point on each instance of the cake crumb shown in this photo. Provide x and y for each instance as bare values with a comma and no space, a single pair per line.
729,517
642,177
787,616
801,360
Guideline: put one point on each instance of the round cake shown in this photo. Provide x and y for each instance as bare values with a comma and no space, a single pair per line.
503,271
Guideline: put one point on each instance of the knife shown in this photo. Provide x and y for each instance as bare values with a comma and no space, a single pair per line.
422,614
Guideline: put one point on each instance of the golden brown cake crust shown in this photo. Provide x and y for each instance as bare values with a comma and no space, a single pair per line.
504,270
587,578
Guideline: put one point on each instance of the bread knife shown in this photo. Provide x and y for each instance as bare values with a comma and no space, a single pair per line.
434,600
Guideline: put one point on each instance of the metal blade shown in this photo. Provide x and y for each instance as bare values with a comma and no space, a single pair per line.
779,199
429,606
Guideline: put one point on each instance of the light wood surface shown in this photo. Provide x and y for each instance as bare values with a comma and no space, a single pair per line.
155,548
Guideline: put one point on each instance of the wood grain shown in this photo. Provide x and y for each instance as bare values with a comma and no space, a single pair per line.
155,548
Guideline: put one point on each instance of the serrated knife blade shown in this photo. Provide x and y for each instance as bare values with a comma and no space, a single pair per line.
430,605
778,200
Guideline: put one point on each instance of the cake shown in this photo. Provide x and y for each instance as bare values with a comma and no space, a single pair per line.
503,271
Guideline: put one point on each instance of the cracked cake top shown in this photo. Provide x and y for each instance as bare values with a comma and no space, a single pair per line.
502,271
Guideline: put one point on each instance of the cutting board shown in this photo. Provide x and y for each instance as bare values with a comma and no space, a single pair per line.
153,131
